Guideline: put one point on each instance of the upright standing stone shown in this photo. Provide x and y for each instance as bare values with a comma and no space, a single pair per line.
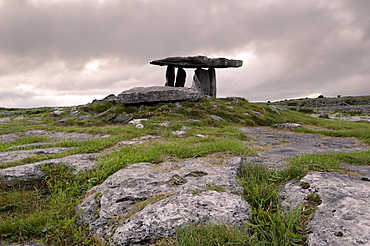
170,76
212,81
180,77
197,85
203,77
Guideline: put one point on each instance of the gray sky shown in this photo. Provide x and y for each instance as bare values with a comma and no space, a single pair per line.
69,52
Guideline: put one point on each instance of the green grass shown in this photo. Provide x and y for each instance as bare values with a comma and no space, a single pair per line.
46,211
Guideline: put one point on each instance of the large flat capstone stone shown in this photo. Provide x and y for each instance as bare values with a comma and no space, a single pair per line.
197,62
146,201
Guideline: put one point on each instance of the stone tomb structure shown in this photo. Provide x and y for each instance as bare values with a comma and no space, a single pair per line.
204,79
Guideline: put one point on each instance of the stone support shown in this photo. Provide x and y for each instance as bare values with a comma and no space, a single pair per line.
212,81
180,77
170,76
206,80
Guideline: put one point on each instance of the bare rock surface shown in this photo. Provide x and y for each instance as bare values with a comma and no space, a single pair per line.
109,209
281,145
343,216
33,171
161,219
21,154
7,138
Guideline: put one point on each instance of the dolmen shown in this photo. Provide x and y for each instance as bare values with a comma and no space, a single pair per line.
203,80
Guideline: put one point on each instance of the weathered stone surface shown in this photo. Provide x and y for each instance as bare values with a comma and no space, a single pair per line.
161,219
283,145
7,138
344,214
216,118
32,172
197,61
157,94
203,76
106,206
287,125
21,154
363,171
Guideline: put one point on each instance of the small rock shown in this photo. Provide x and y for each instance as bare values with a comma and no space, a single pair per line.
191,121
258,114
178,133
73,114
184,128
85,117
63,121
110,117
130,142
275,110
178,105
139,126
5,120
324,115
34,121
124,119
58,112
200,136
216,118
136,121
102,114
287,125
167,124
245,114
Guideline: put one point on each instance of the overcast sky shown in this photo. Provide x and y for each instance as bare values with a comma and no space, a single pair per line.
69,52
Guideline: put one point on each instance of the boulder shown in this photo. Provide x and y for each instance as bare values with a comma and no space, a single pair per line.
147,200
155,94
343,216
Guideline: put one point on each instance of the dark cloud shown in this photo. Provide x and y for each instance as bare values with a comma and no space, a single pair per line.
291,48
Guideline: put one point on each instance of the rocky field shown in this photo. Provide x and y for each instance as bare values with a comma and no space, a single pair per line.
209,172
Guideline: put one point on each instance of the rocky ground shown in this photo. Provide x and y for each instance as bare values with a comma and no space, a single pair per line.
146,200
185,198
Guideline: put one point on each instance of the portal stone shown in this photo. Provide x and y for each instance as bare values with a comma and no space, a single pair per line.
170,76
212,81
180,77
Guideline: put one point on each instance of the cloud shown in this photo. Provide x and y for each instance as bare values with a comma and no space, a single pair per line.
294,48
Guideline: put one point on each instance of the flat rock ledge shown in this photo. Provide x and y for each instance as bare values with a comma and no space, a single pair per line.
32,172
154,94
146,201
343,216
